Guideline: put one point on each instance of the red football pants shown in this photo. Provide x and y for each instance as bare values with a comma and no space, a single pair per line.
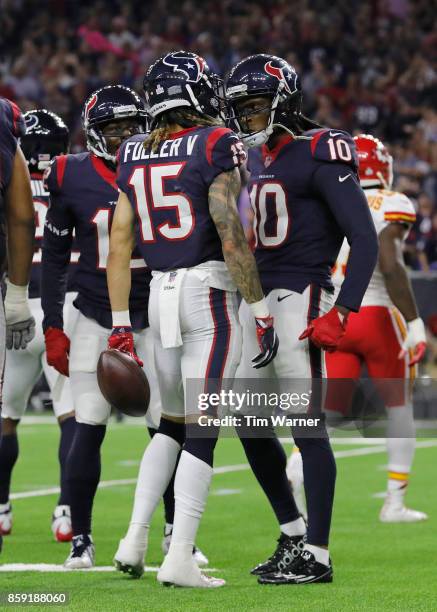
373,337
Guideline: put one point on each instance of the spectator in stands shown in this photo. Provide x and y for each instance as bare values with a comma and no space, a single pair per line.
365,65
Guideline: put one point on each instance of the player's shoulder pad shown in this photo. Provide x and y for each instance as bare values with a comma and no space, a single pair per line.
397,207
333,146
11,118
223,148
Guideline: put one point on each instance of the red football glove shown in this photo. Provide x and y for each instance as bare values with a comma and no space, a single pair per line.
268,342
57,349
327,331
122,339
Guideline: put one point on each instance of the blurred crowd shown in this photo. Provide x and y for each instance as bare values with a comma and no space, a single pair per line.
366,65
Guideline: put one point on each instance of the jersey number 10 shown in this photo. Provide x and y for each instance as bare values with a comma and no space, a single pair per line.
269,203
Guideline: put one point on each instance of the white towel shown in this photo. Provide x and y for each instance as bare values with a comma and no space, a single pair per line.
169,294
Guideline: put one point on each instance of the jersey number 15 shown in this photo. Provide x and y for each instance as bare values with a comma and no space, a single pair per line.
148,183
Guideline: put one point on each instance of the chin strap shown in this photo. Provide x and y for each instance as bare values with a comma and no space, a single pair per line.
295,136
98,148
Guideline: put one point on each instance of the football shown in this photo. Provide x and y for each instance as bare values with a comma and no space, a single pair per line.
123,383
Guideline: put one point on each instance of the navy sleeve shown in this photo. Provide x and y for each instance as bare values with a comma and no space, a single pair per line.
56,250
338,186
334,146
12,117
11,127
223,151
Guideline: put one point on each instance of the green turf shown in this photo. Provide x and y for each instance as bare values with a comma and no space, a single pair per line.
377,567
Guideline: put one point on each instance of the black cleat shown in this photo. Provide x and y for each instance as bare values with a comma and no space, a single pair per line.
287,550
303,570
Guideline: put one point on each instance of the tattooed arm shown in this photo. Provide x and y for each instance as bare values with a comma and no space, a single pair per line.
222,197
223,194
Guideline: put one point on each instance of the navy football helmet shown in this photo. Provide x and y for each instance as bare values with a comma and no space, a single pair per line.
46,136
264,75
108,104
183,79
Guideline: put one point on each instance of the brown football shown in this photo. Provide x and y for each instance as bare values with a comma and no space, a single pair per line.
123,383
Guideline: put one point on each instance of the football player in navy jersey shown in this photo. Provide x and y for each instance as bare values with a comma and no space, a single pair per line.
17,325
83,194
306,198
179,188
46,136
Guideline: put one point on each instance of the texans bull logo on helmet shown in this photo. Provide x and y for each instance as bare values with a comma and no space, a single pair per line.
191,66
278,73
31,121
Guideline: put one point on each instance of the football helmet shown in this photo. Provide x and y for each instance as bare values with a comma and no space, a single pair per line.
183,79
264,75
110,103
375,162
46,136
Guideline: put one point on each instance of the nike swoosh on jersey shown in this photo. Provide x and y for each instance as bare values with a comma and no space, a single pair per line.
341,179
335,133
283,297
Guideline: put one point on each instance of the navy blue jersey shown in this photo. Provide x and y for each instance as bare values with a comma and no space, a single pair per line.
83,195
40,198
168,191
306,198
12,126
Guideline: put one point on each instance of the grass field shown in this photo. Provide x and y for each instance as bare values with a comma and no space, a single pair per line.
377,566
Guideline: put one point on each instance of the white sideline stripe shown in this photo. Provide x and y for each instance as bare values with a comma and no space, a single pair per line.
348,441
51,567
51,420
224,469
140,422
104,484
358,441
358,452
221,492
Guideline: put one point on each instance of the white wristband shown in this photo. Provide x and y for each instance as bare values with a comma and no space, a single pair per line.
15,293
260,309
416,331
121,318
